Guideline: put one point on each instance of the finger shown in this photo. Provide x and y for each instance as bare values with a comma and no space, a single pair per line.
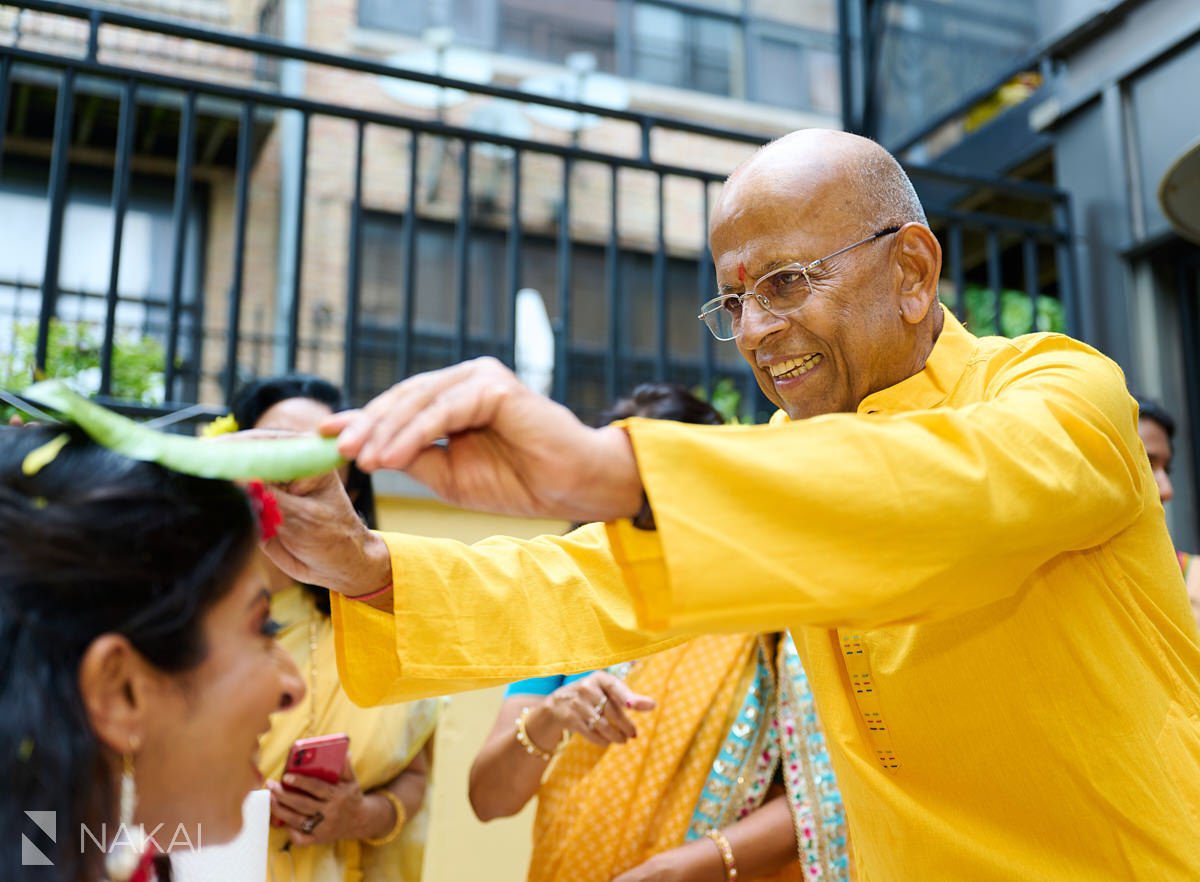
472,404
348,770
283,558
299,837
334,425
313,787
609,732
466,397
299,803
290,817
614,715
594,729
431,467
590,734
619,691
384,414
621,697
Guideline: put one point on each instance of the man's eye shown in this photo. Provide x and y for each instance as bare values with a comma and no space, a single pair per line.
732,305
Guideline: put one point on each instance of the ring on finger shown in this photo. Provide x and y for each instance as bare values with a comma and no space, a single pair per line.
312,822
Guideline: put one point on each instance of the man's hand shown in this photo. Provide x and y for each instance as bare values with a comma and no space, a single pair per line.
508,449
322,541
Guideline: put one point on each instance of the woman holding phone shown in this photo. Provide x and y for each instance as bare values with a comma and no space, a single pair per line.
138,665
369,823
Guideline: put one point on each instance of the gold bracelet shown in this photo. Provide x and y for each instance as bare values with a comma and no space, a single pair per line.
526,742
401,818
726,850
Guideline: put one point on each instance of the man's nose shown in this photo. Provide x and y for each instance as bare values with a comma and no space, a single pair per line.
757,323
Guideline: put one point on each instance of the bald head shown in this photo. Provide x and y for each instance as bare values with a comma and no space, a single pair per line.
859,313
835,179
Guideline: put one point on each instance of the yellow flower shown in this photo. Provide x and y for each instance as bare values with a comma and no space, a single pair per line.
220,426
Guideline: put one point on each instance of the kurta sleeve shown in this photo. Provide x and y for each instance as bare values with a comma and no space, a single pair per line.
866,520
472,616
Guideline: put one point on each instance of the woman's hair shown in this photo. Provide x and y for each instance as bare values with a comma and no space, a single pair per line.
662,401
258,396
94,543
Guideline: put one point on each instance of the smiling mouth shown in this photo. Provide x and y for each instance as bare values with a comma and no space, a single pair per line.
794,367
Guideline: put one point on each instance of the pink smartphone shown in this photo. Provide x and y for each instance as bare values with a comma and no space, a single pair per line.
321,757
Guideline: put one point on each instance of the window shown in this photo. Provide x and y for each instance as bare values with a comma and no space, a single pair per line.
774,55
435,325
551,30
473,21
146,260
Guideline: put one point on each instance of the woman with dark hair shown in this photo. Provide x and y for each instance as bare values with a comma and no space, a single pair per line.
371,825
138,665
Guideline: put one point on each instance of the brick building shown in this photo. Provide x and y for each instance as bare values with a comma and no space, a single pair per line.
763,70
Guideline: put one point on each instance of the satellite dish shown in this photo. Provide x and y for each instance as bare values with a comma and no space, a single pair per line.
1179,193
580,83
499,117
534,358
440,60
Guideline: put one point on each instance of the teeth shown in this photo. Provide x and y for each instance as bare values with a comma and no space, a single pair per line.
794,367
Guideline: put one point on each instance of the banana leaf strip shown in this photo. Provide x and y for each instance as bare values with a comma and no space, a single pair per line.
276,460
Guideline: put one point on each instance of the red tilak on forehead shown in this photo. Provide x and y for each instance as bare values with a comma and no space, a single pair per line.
742,273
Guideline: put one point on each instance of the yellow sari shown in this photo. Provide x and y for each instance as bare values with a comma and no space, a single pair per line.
603,811
383,741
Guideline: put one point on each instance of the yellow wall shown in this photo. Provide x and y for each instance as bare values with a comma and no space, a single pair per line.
460,848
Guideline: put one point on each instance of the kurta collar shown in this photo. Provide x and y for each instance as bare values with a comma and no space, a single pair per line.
928,388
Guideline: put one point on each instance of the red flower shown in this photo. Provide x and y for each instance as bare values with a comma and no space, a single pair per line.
266,507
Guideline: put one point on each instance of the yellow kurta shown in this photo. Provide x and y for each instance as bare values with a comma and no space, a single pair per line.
975,567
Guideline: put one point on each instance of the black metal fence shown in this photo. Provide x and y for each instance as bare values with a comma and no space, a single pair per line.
441,286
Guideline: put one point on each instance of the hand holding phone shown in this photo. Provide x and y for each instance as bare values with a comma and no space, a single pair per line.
321,757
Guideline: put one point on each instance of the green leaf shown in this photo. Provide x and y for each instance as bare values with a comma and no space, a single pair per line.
274,459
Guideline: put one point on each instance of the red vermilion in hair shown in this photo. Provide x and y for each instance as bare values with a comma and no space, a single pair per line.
266,508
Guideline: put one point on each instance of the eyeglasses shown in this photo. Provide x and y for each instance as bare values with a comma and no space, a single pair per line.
780,292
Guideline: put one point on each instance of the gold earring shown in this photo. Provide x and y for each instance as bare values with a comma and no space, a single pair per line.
124,857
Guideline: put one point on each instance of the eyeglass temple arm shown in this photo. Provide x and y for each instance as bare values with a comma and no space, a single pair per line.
871,238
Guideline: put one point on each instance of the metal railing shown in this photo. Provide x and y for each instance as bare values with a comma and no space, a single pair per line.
1025,246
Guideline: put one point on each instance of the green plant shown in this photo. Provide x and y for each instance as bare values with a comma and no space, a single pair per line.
74,352
726,399
1016,311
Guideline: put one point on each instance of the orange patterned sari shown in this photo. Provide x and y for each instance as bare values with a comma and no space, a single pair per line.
602,811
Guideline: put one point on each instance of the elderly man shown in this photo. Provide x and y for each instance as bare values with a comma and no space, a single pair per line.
962,534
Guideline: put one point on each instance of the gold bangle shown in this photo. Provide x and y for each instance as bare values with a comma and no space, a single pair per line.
401,818
726,850
526,742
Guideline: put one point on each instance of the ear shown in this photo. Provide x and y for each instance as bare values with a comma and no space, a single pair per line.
117,686
919,263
